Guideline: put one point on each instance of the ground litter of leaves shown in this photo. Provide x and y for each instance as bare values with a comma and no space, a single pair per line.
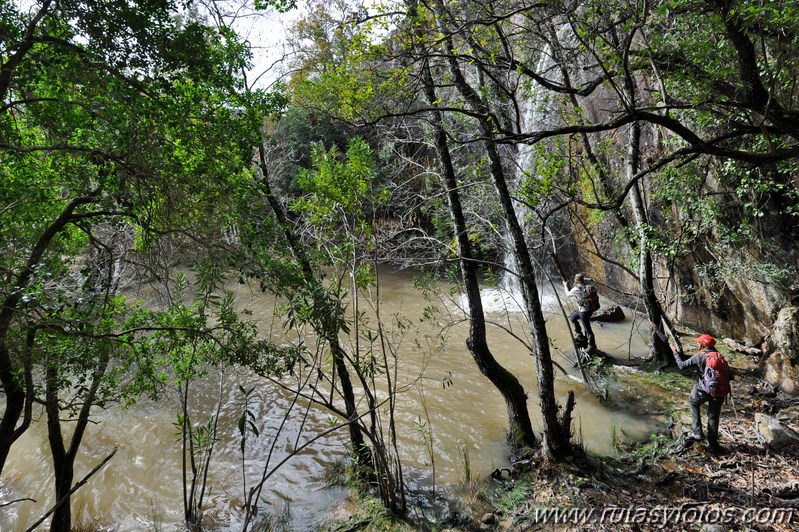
673,484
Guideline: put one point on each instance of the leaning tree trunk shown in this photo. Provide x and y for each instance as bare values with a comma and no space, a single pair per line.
555,436
520,430
18,395
14,407
63,457
645,268
359,447
646,278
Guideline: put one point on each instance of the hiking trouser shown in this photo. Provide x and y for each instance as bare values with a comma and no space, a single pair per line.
584,318
696,399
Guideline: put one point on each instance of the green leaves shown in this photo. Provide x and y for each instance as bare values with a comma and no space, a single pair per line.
341,197
281,6
247,419
335,184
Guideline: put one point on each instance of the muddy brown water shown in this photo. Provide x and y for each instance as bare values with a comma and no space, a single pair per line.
141,487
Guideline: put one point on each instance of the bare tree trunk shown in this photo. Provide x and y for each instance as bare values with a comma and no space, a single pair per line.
556,442
520,430
359,447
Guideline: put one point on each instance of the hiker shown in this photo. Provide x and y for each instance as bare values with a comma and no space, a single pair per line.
711,387
583,313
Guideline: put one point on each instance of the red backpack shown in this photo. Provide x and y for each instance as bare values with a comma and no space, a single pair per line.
590,298
716,378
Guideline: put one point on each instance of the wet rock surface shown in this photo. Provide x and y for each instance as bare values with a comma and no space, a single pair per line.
613,313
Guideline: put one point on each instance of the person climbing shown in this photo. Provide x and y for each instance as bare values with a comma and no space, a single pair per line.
582,316
712,386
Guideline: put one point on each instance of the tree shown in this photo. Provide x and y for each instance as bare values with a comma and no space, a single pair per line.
377,64
324,307
669,84
519,427
556,437
111,115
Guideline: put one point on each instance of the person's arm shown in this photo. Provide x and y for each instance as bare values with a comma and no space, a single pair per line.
574,292
661,335
694,361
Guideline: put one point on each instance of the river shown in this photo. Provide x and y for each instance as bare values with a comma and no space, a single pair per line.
141,487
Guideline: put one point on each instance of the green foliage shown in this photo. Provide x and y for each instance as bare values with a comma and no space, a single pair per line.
203,437
337,186
340,199
726,223
522,493
539,185
128,113
321,307
687,213
465,465
281,6
178,344
344,73
757,187
654,448
370,516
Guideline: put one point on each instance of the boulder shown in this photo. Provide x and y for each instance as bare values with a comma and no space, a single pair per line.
741,348
781,366
612,313
774,433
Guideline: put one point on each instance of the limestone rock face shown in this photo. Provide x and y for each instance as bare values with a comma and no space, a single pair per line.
785,333
781,367
782,372
727,289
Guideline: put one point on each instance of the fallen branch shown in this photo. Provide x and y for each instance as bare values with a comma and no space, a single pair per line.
75,488
16,501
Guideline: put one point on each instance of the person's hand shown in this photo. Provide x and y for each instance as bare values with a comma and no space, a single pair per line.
565,283
653,325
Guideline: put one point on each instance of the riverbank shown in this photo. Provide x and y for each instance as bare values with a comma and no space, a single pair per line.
667,483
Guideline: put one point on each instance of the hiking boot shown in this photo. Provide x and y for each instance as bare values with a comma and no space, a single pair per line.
580,341
697,436
716,449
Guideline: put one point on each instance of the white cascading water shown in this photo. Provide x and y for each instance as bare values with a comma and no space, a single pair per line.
539,113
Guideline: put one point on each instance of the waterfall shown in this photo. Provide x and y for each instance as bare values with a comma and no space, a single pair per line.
539,113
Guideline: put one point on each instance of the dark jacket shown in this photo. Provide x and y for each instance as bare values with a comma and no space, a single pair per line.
699,361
